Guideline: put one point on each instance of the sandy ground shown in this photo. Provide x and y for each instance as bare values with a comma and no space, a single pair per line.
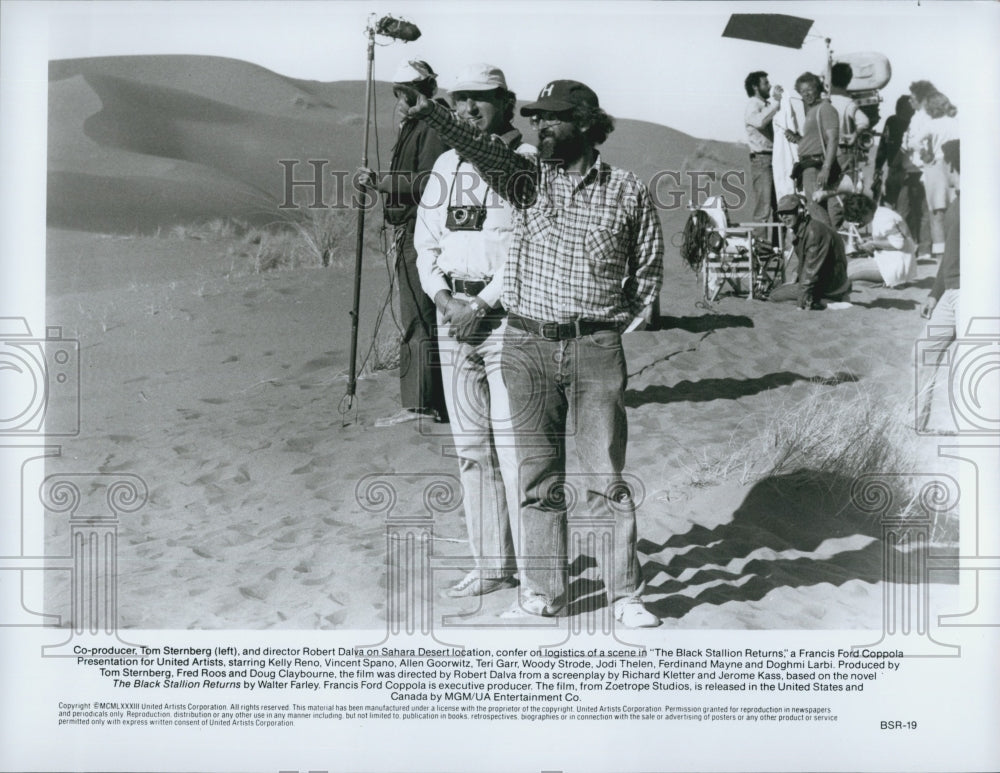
222,389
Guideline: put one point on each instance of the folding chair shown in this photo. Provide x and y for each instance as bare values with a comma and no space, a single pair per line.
734,256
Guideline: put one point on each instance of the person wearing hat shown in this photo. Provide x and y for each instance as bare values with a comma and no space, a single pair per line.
822,269
417,148
585,264
462,236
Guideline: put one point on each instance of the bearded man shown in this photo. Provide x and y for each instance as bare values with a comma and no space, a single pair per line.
585,265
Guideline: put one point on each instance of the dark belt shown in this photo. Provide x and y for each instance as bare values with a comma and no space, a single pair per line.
466,286
559,331
761,153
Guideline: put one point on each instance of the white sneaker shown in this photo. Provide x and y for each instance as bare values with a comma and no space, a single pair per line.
533,605
632,614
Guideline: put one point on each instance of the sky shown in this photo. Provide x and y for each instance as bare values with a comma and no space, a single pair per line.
665,62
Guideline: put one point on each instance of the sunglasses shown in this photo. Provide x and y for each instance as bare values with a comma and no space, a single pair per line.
549,117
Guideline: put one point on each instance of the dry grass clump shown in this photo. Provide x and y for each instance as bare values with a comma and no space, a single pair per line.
850,433
329,236
315,238
217,228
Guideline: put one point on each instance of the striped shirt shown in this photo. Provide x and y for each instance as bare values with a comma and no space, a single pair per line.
587,248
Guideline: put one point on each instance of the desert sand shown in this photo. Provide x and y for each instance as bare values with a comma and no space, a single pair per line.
219,379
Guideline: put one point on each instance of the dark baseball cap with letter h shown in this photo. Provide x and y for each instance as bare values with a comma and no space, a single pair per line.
560,97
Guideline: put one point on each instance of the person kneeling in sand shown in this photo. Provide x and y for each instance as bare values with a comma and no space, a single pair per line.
462,236
822,269
891,245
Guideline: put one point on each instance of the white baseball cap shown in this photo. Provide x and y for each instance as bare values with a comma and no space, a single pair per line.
479,77
413,71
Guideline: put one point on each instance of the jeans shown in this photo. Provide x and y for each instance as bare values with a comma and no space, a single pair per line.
792,293
932,397
935,180
572,391
762,184
480,422
419,377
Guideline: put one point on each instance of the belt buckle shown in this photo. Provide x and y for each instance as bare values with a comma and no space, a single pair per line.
549,331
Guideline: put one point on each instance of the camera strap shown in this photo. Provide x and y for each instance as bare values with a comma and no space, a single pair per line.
511,138
451,188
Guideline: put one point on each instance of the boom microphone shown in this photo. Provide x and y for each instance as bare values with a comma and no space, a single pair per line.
397,28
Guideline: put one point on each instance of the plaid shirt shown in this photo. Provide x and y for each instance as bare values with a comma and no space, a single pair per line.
587,248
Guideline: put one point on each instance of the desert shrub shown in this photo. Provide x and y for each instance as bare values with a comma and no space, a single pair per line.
313,238
328,236
830,436
216,228
855,432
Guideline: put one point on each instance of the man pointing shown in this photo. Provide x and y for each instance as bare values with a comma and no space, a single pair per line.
585,264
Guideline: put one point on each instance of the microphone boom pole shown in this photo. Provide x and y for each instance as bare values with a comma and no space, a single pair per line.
352,380
396,29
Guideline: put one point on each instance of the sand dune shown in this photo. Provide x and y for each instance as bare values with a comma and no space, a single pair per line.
127,122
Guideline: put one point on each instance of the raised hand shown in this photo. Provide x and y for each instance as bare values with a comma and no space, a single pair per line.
419,105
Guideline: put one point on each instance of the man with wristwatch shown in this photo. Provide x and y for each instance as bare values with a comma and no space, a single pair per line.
462,236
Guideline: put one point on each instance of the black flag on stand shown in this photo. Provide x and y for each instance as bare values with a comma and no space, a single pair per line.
774,28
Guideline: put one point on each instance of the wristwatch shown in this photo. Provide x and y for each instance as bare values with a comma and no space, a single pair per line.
480,306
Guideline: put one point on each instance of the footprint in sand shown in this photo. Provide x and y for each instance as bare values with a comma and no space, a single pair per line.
319,363
302,445
337,618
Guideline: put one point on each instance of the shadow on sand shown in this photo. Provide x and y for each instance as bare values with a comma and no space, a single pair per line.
793,530
702,323
707,389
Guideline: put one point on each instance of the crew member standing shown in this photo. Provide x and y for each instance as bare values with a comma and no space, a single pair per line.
941,310
758,118
817,169
417,148
462,237
852,120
